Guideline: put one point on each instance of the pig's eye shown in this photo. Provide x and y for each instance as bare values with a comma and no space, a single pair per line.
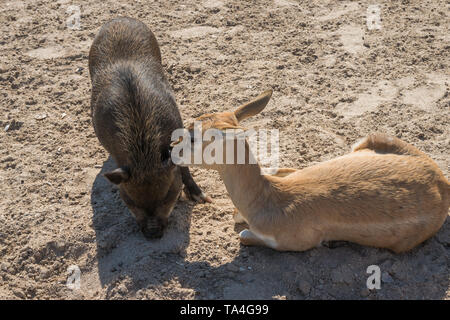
165,155
166,159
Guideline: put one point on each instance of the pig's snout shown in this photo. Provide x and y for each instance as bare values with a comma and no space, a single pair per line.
152,233
153,228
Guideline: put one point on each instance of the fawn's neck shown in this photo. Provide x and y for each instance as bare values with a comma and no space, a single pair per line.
250,191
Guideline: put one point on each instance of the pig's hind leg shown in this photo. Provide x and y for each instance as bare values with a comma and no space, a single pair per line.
191,189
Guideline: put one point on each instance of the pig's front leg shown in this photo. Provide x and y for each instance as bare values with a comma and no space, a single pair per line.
191,189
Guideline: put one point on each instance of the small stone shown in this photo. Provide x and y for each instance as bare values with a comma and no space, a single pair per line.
40,116
13,125
398,271
122,289
5,266
194,69
19,293
60,244
45,273
63,115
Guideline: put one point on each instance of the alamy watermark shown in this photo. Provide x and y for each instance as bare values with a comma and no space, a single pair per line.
74,279
374,280
229,146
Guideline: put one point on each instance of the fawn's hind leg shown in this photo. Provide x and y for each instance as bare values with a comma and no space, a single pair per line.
308,241
249,238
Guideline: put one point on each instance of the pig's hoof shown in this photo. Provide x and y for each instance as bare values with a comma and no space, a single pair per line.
196,196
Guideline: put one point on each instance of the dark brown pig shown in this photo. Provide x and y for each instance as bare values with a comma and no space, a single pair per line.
134,113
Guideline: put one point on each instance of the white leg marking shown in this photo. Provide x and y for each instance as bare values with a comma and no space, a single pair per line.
268,240
245,234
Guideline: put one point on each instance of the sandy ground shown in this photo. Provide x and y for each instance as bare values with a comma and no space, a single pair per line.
334,82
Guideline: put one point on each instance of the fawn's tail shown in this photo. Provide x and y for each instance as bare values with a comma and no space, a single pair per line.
383,143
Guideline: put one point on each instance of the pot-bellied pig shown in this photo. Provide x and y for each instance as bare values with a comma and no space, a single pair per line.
134,113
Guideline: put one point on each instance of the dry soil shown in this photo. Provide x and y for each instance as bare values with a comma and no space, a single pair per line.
334,81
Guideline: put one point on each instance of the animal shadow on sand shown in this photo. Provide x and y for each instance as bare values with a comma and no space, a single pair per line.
131,266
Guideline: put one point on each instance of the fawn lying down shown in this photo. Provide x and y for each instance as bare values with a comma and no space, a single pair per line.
385,193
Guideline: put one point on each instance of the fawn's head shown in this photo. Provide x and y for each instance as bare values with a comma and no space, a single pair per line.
216,128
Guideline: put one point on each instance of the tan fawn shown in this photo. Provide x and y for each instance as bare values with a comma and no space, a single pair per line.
385,193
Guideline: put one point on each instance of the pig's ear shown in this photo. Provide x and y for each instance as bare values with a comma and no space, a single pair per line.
118,176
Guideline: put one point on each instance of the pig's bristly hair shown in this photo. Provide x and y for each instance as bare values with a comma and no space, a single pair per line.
140,118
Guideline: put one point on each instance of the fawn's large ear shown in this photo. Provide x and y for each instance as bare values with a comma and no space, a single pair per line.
117,176
253,107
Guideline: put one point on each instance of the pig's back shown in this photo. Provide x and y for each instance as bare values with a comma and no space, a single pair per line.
122,39
134,111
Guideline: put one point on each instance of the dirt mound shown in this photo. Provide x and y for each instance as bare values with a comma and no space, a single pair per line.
334,82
